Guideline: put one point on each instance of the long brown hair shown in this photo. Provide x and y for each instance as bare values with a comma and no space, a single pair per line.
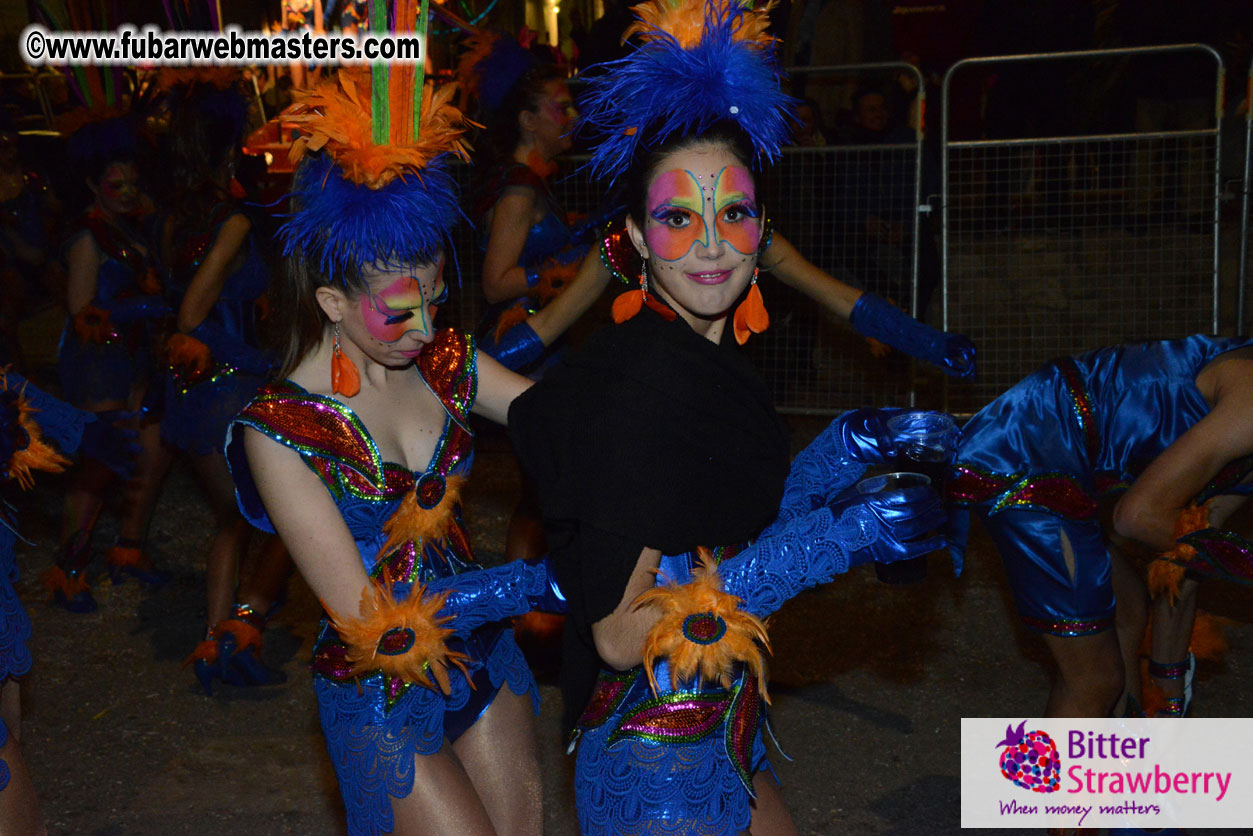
299,320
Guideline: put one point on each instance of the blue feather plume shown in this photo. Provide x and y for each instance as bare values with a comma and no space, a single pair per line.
662,89
342,225
500,69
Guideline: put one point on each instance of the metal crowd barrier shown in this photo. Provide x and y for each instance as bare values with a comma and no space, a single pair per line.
850,209
1052,245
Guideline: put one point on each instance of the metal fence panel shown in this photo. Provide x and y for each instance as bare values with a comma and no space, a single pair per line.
1055,245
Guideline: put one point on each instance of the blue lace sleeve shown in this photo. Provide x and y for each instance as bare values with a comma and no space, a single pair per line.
818,473
477,598
795,555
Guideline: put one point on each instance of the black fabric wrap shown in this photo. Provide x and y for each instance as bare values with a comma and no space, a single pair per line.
652,436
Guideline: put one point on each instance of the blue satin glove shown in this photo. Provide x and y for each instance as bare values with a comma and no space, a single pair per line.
135,308
519,346
899,518
113,439
877,318
516,588
228,348
805,551
836,459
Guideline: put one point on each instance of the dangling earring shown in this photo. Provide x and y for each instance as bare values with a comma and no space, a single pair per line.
750,315
628,304
345,379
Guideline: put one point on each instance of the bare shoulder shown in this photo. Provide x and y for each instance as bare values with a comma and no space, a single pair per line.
1228,377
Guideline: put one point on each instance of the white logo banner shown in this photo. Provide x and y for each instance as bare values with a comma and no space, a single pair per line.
1068,772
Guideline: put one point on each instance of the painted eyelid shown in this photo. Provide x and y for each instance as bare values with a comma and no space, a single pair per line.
398,318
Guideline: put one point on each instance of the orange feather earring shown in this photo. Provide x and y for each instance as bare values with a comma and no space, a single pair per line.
345,379
750,315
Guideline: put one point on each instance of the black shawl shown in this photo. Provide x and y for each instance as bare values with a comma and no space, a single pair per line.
649,435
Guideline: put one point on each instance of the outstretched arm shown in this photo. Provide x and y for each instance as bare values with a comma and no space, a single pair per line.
787,264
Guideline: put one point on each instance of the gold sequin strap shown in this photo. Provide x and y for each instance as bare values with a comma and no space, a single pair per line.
449,365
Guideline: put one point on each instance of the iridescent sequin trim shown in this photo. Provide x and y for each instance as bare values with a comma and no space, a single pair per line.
449,365
745,718
1223,554
1168,670
1081,404
1226,480
1070,627
1056,493
608,694
682,717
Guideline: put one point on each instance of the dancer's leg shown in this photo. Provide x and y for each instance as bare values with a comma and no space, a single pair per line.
231,539
19,809
770,815
499,755
1131,616
1172,633
142,492
443,800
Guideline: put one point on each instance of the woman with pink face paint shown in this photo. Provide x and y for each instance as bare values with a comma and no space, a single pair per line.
106,362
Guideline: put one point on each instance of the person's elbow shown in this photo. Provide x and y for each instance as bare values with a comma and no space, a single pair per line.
1133,519
614,649
496,287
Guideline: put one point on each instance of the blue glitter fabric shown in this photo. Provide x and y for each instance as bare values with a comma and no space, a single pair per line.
375,726
198,411
1034,462
643,771
107,371
61,425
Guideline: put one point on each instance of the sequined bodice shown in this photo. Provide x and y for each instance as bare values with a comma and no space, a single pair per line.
367,490
544,240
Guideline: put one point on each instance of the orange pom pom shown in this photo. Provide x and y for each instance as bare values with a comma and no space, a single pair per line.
702,631
511,317
422,515
37,454
402,639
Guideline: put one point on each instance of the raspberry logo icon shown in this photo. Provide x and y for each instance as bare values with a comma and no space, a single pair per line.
1030,759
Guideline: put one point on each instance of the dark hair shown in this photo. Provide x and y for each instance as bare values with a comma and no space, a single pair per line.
206,129
647,161
298,319
502,132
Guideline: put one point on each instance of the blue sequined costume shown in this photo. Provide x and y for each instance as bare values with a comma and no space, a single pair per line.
108,370
198,407
62,426
374,725
1034,462
684,757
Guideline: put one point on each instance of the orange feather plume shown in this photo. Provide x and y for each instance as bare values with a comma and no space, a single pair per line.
403,639
411,523
37,454
188,355
702,631
685,20
511,317
335,116
1167,571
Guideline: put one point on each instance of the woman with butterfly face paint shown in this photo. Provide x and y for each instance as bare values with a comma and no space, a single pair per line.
674,521
356,458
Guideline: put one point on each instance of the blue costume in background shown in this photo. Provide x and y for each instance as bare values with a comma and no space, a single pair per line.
1034,462
107,369
62,425
200,404
551,250
374,725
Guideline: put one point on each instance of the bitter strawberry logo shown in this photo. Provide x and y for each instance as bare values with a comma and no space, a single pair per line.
1030,759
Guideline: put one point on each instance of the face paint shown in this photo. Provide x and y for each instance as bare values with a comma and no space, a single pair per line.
401,307
690,209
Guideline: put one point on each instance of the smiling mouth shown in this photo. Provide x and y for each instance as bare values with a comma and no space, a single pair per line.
412,353
712,277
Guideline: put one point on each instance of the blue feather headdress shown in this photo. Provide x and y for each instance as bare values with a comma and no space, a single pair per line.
700,62
359,201
491,66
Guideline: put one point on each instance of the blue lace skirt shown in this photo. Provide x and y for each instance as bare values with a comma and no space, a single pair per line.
15,628
373,733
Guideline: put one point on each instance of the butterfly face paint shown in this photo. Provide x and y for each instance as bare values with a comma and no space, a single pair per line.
402,307
694,207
